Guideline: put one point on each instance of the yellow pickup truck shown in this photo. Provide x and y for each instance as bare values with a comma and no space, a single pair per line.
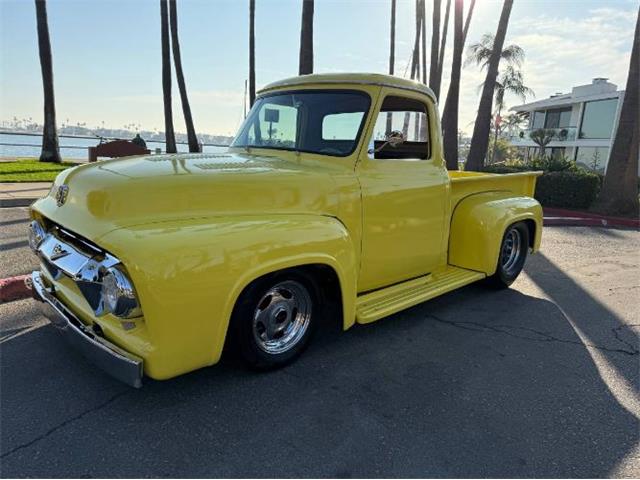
334,192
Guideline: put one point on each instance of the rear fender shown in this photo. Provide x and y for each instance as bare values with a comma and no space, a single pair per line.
478,224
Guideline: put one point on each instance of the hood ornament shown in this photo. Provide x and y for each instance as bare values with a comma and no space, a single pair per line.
58,252
61,195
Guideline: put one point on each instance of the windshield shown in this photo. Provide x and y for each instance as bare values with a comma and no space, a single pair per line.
328,122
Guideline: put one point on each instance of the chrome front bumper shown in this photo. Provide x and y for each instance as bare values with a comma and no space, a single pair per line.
120,364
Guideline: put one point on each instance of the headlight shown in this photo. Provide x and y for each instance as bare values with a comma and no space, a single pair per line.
118,294
36,234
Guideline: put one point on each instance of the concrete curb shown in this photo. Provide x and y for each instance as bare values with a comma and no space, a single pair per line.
15,288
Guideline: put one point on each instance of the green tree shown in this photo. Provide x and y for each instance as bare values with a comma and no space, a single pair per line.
50,149
510,81
542,137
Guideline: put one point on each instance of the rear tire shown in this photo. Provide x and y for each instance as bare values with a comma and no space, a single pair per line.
274,319
513,254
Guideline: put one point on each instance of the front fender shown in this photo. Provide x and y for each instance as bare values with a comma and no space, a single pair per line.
189,274
478,224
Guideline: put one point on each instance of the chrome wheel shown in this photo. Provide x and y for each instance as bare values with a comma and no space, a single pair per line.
282,317
511,251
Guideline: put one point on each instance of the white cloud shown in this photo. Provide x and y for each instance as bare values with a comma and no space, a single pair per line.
561,52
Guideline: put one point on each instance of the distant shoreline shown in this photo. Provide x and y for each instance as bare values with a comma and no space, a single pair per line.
98,137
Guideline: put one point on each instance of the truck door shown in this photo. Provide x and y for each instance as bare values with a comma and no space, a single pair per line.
404,190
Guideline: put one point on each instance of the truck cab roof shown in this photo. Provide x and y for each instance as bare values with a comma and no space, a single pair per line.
350,78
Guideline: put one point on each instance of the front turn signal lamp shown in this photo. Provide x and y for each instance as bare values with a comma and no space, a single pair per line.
37,233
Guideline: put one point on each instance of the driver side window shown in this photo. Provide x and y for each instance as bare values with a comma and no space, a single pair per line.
409,117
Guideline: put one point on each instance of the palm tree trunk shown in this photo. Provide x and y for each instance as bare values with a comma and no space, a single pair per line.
467,22
423,20
252,52
619,193
392,54
50,149
306,38
495,136
450,114
169,134
435,50
186,109
415,65
480,138
443,44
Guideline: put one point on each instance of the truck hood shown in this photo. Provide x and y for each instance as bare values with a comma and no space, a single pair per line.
119,193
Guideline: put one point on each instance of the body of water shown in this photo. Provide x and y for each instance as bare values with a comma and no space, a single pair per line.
73,148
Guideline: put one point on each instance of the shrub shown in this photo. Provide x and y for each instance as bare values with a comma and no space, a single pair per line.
506,168
567,189
548,163
563,184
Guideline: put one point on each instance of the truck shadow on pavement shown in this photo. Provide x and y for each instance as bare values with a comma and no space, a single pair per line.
475,383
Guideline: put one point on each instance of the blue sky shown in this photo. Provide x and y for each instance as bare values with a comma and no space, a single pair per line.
106,53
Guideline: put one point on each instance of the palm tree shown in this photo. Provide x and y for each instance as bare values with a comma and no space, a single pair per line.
513,122
423,22
467,21
415,65
450,114
306,38
619,193
510,81
437,81
480,53
50,149
435,51
480,137
252,52
169,134
186,109
392,53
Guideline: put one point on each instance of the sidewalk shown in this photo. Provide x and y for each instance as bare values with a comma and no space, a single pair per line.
22,194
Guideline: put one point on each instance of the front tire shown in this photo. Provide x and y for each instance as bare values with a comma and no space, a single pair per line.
274,319
513,254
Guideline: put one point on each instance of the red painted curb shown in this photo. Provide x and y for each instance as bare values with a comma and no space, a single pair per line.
15,288
573,217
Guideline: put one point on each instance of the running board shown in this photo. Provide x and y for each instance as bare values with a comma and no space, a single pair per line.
381,303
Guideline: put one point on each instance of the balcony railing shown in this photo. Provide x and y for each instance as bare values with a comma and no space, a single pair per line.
563,134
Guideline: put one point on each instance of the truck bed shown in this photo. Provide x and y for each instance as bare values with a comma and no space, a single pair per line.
464,184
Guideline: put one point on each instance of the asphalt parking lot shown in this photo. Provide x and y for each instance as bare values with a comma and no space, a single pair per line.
540,380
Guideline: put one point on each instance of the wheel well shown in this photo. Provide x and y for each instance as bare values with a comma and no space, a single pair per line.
325,280
531,228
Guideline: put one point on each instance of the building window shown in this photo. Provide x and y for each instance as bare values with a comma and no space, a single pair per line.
593,158
598,118
558,118
538,120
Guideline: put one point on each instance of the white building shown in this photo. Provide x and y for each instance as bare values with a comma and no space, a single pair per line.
584,122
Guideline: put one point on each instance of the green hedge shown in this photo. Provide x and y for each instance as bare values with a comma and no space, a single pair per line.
567,189
562,189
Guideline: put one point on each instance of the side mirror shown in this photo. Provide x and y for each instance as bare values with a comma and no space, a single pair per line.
394,138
